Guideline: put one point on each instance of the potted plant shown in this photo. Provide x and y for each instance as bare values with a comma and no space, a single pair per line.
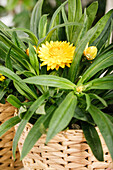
64,70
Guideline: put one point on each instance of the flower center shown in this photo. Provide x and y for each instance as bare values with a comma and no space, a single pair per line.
55,51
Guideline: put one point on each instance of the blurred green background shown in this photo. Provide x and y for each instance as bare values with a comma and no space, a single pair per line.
17,12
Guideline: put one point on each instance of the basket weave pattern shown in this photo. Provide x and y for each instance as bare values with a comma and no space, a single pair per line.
66,151
6,159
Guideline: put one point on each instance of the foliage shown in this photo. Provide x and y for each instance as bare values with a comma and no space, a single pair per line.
56,98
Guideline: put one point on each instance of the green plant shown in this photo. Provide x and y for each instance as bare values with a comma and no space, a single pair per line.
61,90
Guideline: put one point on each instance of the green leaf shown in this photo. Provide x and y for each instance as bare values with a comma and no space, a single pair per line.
101,25
49,34
110,117
55,15
35,132
17,41
101,83
74,14
8,63
65,21
41,110
104,36
105,126
84,28
8,73
14,47
22,92
42,26
78,13
3,28
9,124
91,13
101,62
93,140
88,100
81,114
14,101
50,80
95,96
35,17
33,58
26,118
62,115
3,91
78,54
30,33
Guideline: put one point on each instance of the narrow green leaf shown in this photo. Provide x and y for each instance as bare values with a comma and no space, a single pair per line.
26,118
91,13
8,73
93,140
42,26
84,28
78,54
62,115
78,13
50,80
14,101
3,91
101,83
14,47
101,62
3,28
101,25
81,114
49,34
95,96
30,33
103,37
55,14
33,58
105,126
17,41
65,21
9,124
35,132
88,100
35,17
21,91
8,63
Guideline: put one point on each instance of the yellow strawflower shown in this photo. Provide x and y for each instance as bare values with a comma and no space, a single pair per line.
90,52
56,54
1,77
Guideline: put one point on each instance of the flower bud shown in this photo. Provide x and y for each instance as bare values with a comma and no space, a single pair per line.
90,52
27,50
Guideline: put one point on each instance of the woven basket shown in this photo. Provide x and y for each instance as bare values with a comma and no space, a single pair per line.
6,159
66,151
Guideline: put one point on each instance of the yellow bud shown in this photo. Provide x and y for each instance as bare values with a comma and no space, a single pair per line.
79,89
2,77
90,52
27,50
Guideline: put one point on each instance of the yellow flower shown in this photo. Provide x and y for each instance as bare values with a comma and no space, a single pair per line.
56,54
90,52
1,77
27,50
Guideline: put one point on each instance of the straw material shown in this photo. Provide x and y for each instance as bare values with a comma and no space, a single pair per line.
6,159
66,151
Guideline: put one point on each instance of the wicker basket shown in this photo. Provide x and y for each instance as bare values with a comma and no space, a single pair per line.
66,151
6,159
